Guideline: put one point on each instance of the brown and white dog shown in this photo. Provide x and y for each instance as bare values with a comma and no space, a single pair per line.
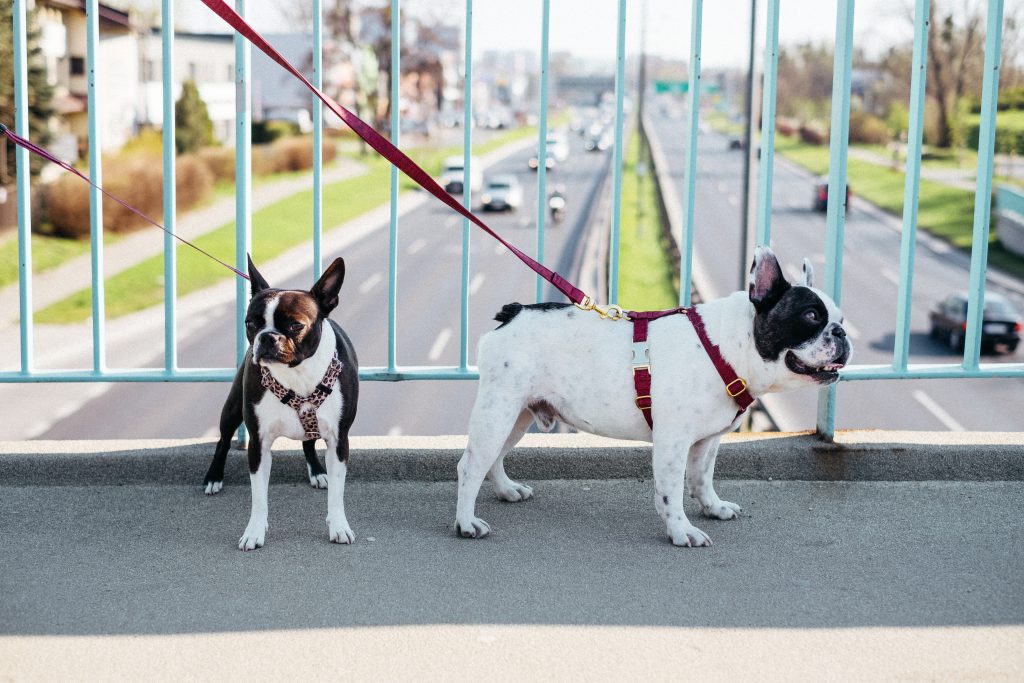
777,337
299,363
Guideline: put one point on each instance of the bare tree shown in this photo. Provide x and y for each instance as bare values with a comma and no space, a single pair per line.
954,61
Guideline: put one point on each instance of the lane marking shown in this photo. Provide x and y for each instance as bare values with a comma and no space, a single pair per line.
851,331
734,200
442,340
891,275
395,431
417,245
722,187
795,274
476,283
936,410
499,249
371,282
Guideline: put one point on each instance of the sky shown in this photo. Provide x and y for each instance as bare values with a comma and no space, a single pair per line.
587,28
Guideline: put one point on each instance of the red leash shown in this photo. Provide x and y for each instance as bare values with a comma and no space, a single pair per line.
36,149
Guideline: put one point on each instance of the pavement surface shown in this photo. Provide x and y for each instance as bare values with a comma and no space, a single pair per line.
837,580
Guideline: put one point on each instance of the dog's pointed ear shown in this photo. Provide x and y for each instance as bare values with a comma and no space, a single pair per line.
256,281
767,283
808,273
326,289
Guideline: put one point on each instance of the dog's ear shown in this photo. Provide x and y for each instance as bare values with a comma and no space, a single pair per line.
808,273
256,282
326,289
767,283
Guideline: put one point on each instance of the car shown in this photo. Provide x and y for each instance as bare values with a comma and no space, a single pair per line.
558,147
453,176
501,193
736,143
819,202
1000,327
549,161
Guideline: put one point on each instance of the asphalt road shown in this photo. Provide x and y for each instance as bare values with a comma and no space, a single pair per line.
430,248
869,291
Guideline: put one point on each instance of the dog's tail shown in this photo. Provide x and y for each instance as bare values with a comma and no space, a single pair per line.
507,312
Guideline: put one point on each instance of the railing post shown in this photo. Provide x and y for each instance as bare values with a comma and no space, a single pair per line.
690,181
912,185
542,144
767,165
396,75
99,360
467,188
170,190
243,187
620,88
983,186
23,169
839,137
318,139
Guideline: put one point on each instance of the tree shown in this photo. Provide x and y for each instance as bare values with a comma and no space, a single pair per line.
193,127
954,62
40,92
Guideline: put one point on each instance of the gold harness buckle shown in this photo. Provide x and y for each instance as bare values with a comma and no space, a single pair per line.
743,387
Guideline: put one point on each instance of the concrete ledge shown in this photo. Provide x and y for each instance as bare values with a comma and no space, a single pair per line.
855,455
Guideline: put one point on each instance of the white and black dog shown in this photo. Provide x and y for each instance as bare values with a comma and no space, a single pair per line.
299,380
554,362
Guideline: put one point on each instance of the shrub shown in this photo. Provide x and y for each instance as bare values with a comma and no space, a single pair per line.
288,154
193,128
268,131
868,128
813,134
787,126
220,161
193,181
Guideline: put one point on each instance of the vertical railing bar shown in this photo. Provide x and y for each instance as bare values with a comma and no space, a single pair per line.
983,187
95,196
467,187
767,165
835,222
318,139
170,189
393,228
542,146
620,88
23,169
243,180
690,186
912,184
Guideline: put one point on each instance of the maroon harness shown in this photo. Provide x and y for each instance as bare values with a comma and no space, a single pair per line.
735,385
305,406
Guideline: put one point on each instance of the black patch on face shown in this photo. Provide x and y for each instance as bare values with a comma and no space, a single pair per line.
510,311
296,326
796,318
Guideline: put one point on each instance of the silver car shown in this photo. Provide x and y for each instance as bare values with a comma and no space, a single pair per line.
502,192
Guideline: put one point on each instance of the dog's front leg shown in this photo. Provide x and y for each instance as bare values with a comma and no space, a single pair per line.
338,529
700,473
670,454
259,479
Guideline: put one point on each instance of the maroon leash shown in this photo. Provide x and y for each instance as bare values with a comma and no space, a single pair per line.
735,385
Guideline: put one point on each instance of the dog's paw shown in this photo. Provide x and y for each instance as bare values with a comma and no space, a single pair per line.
213,487
514,492
253,537
723,509
688,536
340,532
474,527
318,481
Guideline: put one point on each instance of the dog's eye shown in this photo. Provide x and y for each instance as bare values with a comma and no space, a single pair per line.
250,324
295,327
811,316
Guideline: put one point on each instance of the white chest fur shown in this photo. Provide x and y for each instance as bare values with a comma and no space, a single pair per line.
277,419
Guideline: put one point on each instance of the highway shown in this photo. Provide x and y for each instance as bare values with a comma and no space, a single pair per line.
869,291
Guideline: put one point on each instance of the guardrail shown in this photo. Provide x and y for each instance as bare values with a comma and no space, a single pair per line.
900,368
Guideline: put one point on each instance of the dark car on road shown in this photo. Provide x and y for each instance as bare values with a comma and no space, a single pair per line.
820,199
1000,327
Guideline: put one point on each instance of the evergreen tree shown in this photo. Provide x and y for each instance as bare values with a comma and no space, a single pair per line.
40,92
193,127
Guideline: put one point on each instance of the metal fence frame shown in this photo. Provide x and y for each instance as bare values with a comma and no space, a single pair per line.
900,368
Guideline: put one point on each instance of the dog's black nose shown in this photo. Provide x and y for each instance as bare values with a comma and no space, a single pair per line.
839,332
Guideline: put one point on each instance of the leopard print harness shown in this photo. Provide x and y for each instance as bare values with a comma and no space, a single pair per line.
305,406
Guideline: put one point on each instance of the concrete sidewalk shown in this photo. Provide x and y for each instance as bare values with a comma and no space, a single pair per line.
837,580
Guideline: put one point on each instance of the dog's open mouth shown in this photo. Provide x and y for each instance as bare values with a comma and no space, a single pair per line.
825,374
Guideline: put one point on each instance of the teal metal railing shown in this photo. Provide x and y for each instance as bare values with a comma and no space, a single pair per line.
900,368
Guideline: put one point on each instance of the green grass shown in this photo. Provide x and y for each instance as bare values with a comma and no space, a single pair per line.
646,279
943,211
274,230
47,252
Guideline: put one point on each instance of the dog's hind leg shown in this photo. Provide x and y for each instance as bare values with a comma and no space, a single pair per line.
230,419
505,488
316,471
490,426
700,472
338,529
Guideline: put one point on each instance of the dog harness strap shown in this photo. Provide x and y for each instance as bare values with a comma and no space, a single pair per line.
306,406
735,386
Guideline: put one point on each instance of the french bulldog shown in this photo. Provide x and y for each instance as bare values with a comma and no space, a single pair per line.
300,380
554,362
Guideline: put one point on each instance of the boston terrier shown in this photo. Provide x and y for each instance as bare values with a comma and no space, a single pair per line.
555,362
299,379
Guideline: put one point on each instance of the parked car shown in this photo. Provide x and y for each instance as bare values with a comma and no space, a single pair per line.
820,200
501,193
1000,327
453,176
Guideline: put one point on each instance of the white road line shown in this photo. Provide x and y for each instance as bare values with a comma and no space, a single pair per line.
851,331
371,282
395,431
722,187
499,248
891,275
452,221
476,283
795,274
734,200
417,245
935,409
440,343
